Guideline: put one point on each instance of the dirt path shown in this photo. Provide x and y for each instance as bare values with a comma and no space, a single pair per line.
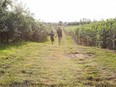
67,65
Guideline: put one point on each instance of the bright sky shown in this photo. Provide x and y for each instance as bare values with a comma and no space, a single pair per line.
71,10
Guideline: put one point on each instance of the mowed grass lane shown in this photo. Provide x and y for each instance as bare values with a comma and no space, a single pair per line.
45,65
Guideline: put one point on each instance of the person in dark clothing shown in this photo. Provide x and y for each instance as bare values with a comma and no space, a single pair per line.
59,33
52,36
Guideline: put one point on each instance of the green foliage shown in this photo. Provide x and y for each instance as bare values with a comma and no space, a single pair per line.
101,34
18,24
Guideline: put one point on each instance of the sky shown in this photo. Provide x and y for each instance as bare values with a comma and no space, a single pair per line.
71,10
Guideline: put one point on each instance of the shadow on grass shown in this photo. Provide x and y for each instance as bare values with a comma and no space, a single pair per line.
12,45
28,83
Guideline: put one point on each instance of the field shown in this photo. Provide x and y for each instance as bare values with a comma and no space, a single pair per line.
70,28
31,64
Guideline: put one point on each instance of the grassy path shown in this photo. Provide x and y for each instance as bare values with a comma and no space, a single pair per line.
47,65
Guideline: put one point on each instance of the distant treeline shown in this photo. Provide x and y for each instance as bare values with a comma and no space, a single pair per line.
17,23
100,33
81,22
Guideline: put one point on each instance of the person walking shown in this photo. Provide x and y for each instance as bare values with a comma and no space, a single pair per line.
59,34
52,37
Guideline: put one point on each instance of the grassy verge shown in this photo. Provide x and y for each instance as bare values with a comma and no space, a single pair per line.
45,65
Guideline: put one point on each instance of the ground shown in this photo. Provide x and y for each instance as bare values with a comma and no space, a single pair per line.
34,64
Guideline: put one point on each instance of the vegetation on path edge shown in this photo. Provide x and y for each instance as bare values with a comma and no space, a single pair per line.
33,64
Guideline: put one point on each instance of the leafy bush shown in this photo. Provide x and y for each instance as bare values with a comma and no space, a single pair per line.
101,34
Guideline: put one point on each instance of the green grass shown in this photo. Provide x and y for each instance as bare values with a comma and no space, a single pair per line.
69,28
32,64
